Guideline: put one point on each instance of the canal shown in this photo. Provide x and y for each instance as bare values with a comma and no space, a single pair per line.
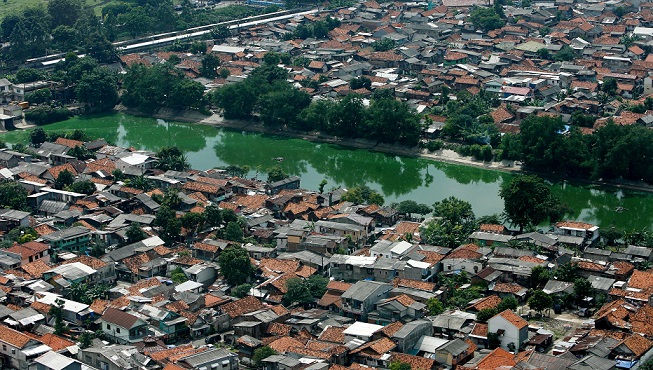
397,178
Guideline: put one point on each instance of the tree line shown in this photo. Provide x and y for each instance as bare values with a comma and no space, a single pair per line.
611,152
68,25
265,94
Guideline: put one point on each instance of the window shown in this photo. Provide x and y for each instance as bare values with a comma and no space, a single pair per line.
13,351
108,327
4,347
117,330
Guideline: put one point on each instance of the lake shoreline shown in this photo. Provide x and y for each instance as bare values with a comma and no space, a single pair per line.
443,155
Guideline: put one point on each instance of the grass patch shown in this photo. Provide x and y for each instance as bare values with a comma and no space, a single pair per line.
15,6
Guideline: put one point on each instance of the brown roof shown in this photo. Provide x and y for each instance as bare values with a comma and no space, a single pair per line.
242,306
277,328
375,349
282,344
415,284
339,286
55,342
479,330
641,280
499,358
13,337
486,302
99,305
36,268
514,319
333,334
507,288
392,328
120,318
29,249
415,362
637,344
68,142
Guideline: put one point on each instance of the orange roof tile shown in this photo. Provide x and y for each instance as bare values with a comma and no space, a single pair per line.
514,319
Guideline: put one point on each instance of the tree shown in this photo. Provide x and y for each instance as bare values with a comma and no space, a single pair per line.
235,265
276,173
384,44
241,290
210,64
390,121
322,185
539,276
609,86
64,12
84,187
261,354
566,53
271,58
508,303
37,137
486,19
56,311
528,201
282,104
298,292
178,275
434,306
97,46
544,53
362,195
567,272
540,301
360,82
135,233
172,158
398,365
168,224
453,223
39,96
582,289
64,179
98,90
233,232
13,196
220,32
485,314
213,215
186,93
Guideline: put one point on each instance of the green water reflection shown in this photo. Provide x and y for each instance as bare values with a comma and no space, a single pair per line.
398,178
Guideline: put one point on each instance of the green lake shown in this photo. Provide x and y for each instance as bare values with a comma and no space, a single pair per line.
397,177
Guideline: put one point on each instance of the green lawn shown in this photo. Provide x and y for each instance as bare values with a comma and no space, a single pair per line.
13,6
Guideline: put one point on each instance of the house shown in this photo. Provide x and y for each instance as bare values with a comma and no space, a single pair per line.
19,350
409,334
511,329
31,251
216,358
115,357
72,311
10,219
56,361
74,239
360,298
589,232
452,324
123,327
454,352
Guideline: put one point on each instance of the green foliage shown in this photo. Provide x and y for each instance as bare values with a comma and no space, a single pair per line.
64,179
135,233
57,312
582,289
235,265
540,301
167,222
528,201
384,44
37,137
360,82
161,85
453,223
323,183
567,272
178,275
193,221
486,19
303,291
280,105
539,276
83,293
493,340
398,365
241,290
85,187
81,152
13,196
363,195
566,53
408,207
172,158
434,306
44,115
485,314
210,64
39,96
276,173
85,340
508,303
26,75
98,90
261,354
233,232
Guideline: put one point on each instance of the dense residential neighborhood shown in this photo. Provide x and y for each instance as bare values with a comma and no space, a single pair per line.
179,268
120,258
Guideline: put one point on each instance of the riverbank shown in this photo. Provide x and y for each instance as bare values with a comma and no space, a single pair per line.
443,155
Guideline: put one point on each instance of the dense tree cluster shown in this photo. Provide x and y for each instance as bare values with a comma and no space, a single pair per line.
161,85
68,25
278,104
611,152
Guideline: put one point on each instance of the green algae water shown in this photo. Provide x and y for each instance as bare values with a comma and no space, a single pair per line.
397,177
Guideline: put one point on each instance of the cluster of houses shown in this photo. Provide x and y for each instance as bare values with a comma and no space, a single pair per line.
440,48
375,311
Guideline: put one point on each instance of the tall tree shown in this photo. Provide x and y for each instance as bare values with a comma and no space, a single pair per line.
64,12
64,179
235,265
528,201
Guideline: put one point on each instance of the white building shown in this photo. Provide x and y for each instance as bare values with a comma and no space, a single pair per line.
511,329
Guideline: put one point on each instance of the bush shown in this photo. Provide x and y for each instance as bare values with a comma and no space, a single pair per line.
45,115
434,145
